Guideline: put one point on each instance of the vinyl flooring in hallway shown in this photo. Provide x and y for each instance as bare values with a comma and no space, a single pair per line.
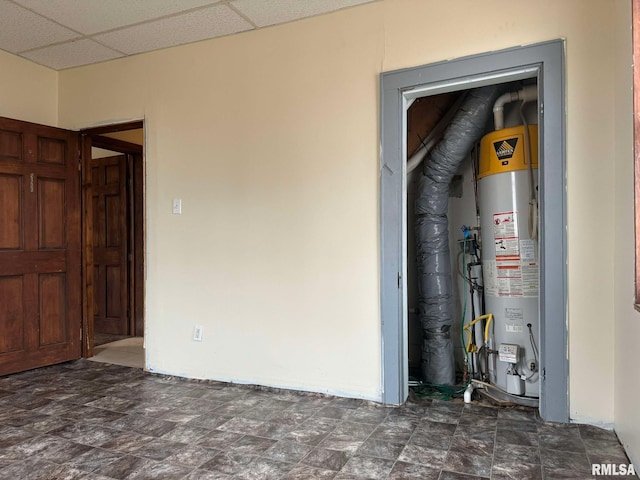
87,420
127,352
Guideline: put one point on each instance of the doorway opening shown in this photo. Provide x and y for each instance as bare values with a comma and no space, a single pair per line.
114,243
472,250
541,66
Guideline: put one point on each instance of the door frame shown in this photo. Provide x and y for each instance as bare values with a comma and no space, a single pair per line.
546,62
92,137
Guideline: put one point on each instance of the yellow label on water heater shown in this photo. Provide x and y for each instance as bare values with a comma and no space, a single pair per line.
503,150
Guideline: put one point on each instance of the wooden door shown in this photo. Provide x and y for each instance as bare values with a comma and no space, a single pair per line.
110,245
40,246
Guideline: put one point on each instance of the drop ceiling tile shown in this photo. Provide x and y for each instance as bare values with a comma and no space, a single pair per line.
271,12
22,30
72,54
189,27
92,16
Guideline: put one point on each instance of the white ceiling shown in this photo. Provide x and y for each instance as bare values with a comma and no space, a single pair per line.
68,33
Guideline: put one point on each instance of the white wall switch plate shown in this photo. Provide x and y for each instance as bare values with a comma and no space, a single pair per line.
197,333
176,206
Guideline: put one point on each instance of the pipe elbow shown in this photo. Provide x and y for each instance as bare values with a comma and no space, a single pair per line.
528,93
499,104
498,108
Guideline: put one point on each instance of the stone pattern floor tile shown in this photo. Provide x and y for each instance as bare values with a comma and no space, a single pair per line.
86,420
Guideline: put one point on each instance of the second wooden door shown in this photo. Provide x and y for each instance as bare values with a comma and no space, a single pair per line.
110,245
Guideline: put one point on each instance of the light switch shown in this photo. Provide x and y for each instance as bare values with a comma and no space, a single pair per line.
177,206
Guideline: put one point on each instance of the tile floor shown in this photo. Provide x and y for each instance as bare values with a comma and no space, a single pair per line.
88,420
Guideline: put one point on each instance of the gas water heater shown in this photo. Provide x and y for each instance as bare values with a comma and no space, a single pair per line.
507,183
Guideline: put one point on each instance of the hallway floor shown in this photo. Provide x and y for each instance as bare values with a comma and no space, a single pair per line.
87,420
128,352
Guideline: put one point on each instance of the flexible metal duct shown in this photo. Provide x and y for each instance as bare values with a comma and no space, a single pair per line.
432,233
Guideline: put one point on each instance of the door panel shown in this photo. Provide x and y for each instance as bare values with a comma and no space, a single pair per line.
52,309
10,146
11,314
114,292
11,205
51,150
110,249
113,212
51,214
40,289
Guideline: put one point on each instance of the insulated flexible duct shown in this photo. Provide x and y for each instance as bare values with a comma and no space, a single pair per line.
432,233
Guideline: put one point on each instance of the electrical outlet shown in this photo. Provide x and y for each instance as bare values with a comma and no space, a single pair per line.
197,333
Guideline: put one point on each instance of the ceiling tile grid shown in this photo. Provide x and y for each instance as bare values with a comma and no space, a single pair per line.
21,29
271,12
62,34
93,16
189,27
65,55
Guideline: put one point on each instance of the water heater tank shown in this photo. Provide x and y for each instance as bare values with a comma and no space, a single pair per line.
510,258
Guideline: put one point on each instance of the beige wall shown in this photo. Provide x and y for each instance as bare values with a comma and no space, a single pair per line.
28,91
271,140
627,385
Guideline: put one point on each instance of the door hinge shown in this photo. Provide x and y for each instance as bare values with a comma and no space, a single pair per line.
79,161
399,280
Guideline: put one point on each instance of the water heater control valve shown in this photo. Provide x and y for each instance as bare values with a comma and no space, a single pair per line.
508,353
